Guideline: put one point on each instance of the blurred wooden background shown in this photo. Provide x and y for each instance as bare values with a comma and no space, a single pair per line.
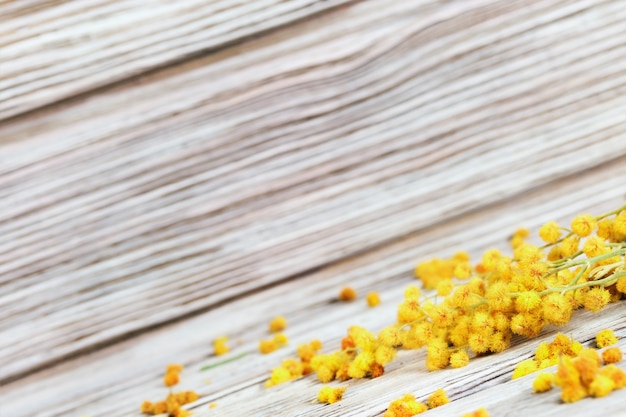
173,171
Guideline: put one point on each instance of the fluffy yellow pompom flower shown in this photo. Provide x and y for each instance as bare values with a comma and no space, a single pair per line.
277,324
406,406
372,298
459,359
583,225
543,382
550,232
617,375
444,287
463,270
524,368
556,309
267,346
619,223
330,395
390,336
594,246
527,301
279,375
605,338
569,246
601,386
612,355
596,299
384,354
437,398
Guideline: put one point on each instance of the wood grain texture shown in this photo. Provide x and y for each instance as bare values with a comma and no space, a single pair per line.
143,219
116,389
57,50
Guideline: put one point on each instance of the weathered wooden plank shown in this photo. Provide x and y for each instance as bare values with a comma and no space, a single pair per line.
113,381
53,51
142,215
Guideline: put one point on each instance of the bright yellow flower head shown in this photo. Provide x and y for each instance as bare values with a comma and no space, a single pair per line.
550,232
605,338
543,382
583,225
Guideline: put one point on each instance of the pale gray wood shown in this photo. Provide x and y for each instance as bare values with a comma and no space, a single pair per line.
115,222
115,388
58,50
145,219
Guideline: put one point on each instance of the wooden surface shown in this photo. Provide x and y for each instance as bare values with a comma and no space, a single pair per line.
178,171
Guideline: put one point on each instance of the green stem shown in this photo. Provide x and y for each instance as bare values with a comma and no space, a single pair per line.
611,213
215,365
604,282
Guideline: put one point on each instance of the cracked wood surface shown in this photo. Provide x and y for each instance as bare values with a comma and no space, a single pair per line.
166,183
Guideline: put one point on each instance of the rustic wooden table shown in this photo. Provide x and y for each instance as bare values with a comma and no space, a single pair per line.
175,171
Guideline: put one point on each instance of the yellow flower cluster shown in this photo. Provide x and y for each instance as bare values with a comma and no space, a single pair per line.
292,368
407,405
279,340
330,395
579,371
548,354
478,307
270,345
173,402
485,304
584,376
362,354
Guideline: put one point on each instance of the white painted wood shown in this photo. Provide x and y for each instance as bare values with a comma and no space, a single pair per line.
144,219
56,51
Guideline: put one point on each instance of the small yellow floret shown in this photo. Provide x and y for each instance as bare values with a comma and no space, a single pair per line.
438,398
619,223
281,339
459,359
220,346
330,395
347,294
550,232
147,407
278,323
267,346
524,368
612,355
617,375
527,301
596,299
372,298
605,338
543,382
279,375
171,379
583,225
601,386
406,406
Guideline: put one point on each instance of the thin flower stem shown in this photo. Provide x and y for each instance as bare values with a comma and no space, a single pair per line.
611,213
229,360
